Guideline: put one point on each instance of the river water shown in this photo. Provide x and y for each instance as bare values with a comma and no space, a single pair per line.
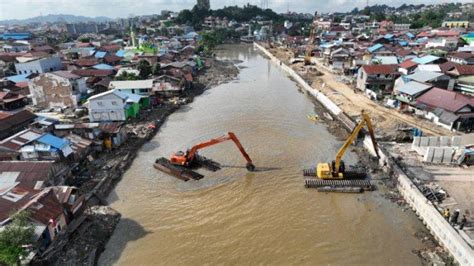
265,217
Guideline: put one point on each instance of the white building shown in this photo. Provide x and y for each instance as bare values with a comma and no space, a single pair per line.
38,65
112,105
139,87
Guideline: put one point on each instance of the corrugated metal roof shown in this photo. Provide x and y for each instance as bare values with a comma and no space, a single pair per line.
131,84
425,59
375,47
413,88
424,76
386,60
66,74
103,67
18,78
54,141
429,68
447,100
100,54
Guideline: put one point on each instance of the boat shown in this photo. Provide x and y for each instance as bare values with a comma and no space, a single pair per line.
314,118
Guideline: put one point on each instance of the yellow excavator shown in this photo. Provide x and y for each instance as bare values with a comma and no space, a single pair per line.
310,46
334,174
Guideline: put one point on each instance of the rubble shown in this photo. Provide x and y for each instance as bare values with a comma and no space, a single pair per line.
87,242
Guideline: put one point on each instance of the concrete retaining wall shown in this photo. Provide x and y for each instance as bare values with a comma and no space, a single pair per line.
320,97
438,226
426,211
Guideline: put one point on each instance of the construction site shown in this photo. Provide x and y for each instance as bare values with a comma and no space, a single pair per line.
239,164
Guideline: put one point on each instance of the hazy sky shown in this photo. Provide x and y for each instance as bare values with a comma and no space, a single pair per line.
18,9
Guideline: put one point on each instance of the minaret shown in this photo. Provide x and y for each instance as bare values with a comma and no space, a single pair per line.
132,36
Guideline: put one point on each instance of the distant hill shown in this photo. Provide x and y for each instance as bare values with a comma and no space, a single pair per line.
55,18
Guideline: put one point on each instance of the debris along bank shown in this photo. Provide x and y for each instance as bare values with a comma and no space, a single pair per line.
89,237
443,232
234,206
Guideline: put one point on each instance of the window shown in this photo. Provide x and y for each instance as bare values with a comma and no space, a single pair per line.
114,103
100,103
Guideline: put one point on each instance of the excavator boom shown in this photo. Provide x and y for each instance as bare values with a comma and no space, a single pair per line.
181,163
365,121
333,176
230,136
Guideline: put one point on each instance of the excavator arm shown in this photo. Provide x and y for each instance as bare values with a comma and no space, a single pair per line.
353,136
191,153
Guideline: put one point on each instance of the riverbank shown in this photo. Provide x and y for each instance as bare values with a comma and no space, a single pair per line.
390,122
91,231
438,227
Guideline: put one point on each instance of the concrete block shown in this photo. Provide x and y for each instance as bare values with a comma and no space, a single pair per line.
415,143
447,154
424,141
434,142
428,157
444,141
438,155
456,141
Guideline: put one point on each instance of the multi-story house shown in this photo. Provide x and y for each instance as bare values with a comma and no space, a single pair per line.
57,89
377,80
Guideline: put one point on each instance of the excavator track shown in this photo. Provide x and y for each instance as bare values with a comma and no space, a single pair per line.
207,163
179,171
355,186
352,173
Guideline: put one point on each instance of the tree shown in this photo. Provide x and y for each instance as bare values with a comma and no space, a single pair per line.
127,76
184,17
14,236
156,69
85,39
145,69
11,67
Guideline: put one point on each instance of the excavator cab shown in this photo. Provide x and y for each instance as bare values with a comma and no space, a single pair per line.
179,158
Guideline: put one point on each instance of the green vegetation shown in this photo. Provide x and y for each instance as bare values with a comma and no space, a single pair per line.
148,48
210,39
156,70
85,40
127,76
195,17
432,17
145,69
13,237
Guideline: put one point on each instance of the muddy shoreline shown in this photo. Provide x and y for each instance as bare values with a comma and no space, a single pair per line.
86,242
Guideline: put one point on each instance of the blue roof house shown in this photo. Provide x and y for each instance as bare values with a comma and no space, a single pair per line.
375,47
46,147
100,54
103,67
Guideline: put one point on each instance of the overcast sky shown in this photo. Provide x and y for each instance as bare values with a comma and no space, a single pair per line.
19,9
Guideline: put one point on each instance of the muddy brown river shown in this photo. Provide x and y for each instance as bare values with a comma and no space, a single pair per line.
267,217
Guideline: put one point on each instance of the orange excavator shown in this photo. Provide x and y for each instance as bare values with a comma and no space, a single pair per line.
181,163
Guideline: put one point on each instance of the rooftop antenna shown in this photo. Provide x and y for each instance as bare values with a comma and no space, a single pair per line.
367,3
287,6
